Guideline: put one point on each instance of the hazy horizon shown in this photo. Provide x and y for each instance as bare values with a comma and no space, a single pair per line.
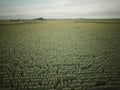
27,9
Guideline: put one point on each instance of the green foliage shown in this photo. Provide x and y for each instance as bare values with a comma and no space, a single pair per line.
57,55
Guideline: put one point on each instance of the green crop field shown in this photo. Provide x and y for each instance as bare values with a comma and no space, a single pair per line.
60,55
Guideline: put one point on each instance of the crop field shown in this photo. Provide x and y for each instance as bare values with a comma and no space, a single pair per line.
60,55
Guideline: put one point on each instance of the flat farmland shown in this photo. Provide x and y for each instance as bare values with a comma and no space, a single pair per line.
60,55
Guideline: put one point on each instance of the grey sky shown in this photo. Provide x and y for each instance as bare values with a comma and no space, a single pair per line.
59,8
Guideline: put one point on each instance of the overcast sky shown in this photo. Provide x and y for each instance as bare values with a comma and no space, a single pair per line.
60,8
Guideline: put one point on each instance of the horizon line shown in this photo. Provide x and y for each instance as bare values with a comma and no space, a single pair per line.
51,18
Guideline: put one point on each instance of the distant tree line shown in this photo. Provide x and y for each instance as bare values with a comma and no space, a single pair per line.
15,20
18,20
41,18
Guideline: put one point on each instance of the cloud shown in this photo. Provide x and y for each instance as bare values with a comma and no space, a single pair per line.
64,8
